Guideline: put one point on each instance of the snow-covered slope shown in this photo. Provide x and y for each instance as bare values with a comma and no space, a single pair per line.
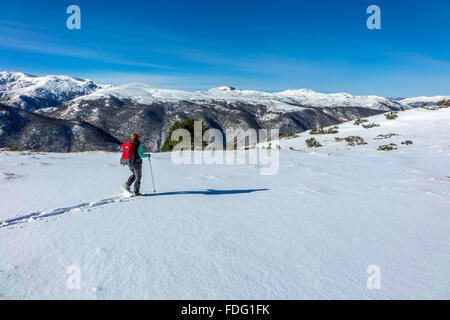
32,93
226,232
419,101
290,100
404,128
317,99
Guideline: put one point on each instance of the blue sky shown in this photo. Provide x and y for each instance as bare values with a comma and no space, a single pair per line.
264,45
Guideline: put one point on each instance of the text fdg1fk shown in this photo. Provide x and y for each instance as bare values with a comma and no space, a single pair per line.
230,309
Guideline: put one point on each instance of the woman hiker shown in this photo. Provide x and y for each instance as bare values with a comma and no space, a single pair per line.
132,156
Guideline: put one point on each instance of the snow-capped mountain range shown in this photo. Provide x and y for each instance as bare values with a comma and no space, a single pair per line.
419,101
119,110
32,93
289,100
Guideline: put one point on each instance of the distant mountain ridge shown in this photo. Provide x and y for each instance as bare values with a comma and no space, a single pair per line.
135,107
33,93
285,101
419,101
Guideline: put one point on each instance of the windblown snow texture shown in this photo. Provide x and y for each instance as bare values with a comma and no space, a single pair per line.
226,232
220,231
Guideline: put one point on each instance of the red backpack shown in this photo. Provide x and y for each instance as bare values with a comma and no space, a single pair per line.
128,149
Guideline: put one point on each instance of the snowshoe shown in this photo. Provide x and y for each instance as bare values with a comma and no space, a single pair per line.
126,190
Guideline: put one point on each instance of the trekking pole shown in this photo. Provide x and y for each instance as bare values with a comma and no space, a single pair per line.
151,171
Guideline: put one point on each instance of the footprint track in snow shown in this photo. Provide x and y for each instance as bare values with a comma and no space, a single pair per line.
10,176
37,215
305,189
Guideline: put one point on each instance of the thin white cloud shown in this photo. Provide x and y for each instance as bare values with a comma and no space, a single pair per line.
17,43
419,59
22,25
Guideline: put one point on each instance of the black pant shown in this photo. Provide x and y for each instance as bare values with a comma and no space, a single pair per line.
136,176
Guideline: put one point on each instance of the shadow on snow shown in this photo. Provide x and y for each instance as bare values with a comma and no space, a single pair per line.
87,205
207,192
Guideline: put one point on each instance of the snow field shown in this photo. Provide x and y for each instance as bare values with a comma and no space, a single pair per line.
227,232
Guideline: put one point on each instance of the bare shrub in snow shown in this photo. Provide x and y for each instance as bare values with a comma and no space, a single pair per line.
359,121
391,115
370,125
388,147
312,143
322,130
385,136
288,135
443,104
407,142
429,107
354,141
